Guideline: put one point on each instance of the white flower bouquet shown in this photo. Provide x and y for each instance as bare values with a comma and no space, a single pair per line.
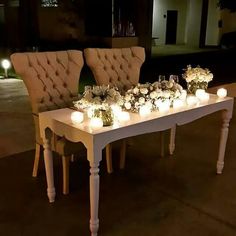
151,94
197,74
99,96
197,78
97,101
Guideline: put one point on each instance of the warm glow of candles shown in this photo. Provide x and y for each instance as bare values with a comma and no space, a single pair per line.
183,95
191,100
123,116
96,123
77,117
177,103
222,92
164,106
144,110
205,97
116,109
200,93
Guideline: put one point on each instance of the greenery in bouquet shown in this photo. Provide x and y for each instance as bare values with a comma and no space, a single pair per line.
150,94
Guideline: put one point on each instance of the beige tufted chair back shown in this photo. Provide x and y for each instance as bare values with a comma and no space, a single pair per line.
51,79
118,67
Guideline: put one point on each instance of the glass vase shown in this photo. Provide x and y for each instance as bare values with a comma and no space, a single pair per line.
105,114
193,86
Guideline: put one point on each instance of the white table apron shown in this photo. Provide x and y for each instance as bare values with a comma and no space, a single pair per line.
59,122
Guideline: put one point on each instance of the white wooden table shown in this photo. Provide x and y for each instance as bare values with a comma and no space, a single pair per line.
59,122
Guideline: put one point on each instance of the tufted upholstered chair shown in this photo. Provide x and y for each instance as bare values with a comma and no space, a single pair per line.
52,80
119,67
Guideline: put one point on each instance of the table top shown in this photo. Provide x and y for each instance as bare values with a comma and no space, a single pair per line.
64,115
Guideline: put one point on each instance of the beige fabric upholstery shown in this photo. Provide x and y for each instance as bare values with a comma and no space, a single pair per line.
51,79
118,67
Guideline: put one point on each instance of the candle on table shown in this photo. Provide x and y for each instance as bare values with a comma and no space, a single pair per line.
177,103
222,92
77,117
96,123
123,116
191,100
144,110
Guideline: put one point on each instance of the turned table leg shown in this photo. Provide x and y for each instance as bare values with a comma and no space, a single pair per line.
172,140
48,161
223,139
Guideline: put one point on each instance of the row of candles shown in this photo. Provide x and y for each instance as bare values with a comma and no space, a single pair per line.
163,106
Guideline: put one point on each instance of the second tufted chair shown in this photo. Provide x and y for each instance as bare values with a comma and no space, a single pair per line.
119,67
52,80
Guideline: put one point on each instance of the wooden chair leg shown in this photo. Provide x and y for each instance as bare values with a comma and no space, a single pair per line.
172,140
122,154
162,144
109,158
65,167
36,160
72,158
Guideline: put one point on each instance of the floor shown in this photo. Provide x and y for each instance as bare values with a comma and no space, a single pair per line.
172,196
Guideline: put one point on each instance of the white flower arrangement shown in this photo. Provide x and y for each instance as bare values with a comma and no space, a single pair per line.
197,74
151,94
99,96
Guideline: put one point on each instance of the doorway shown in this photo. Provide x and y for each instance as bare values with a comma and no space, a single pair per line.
171,26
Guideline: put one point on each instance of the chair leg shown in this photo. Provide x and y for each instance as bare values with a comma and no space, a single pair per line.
109,158
36,160
162,144
122,154
172,140
65,167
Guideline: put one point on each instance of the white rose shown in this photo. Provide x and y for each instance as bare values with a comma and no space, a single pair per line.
135,90
144,90
153,94
141,100
127,105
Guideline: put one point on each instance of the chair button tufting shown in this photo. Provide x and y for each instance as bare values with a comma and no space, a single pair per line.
114,57
121,67
44,88
54,86
64,85
56,73
61,96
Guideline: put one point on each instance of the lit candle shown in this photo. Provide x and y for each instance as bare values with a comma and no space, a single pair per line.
144,110
200,93
183,95
96,123
123,116
222,92
177,103
205,97
116,109
77,117
164,106
191,100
